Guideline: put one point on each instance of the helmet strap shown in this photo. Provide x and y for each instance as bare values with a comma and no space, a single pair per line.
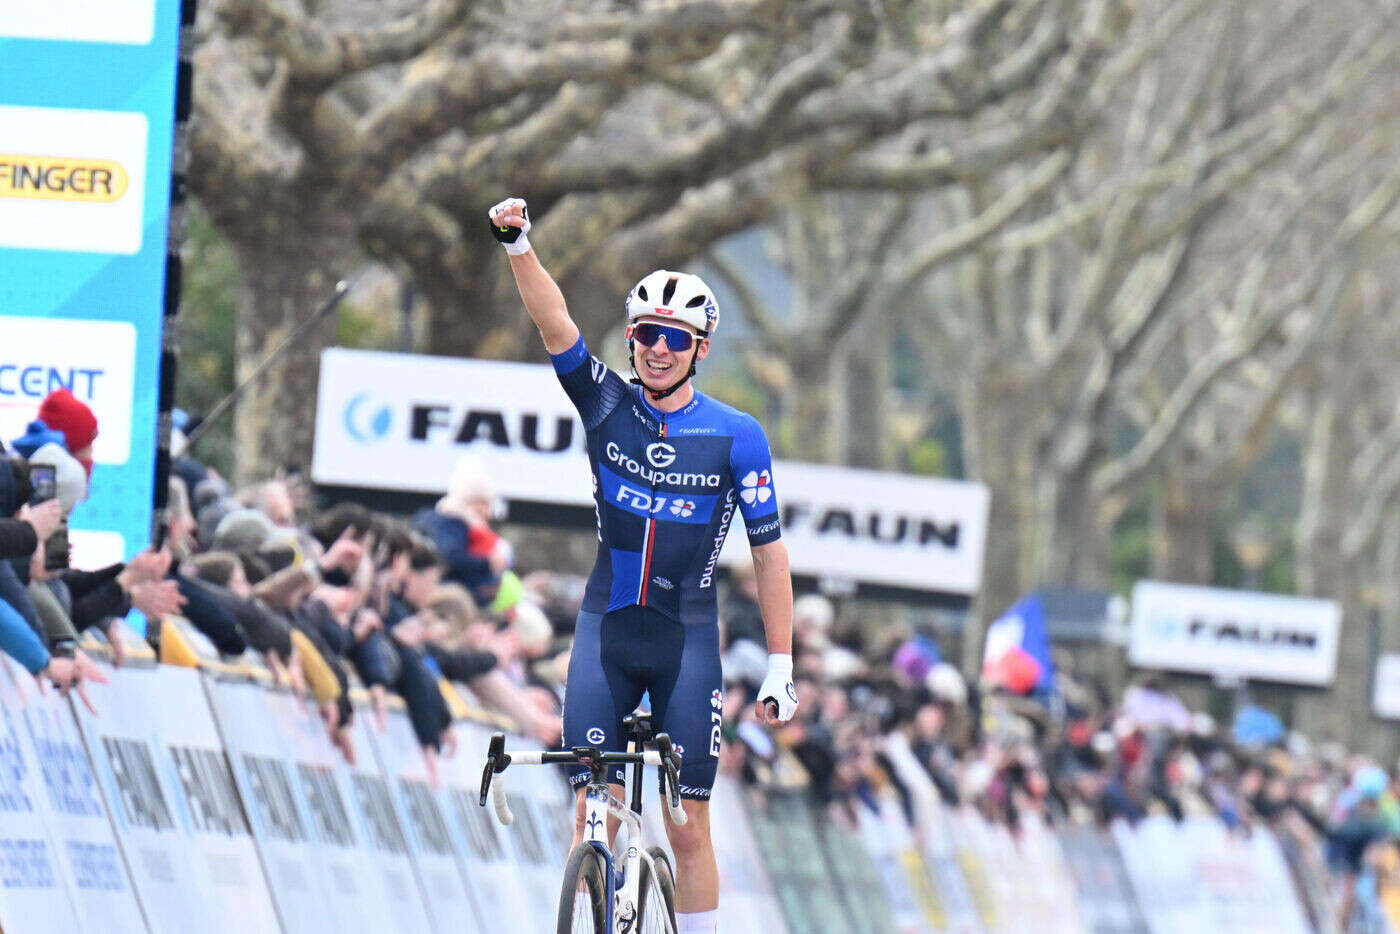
656,395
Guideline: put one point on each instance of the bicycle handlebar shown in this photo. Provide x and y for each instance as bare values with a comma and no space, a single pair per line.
665,757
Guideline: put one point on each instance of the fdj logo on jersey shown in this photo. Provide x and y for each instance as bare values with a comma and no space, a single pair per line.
648,504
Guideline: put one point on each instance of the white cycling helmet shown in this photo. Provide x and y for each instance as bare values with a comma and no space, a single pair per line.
679,295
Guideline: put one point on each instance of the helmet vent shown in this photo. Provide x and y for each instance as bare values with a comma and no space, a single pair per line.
642,293
668,292
695,302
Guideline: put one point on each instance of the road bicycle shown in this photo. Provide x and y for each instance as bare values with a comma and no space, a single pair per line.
599,896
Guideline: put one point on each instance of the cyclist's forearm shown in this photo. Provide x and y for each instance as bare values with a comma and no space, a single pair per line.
774,578
544,302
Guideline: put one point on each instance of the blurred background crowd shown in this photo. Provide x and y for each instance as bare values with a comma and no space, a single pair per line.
335,599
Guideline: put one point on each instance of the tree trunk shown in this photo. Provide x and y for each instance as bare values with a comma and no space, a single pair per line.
1339,713
817,406
999,443
288,270
1182,527
1075,553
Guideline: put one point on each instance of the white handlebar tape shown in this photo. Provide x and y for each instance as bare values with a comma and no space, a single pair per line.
498,798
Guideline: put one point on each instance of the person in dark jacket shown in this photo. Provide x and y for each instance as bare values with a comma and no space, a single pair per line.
20,638
418,683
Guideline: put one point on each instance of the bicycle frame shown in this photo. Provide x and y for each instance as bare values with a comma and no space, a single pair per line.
598,803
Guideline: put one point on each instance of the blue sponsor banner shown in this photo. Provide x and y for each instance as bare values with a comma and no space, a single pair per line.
87,101
638,498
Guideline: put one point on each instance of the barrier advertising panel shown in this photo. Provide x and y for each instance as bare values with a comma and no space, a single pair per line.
1100,881
71,806
35,892
1196,875
177,812
889,843
787,837
87,109
749,905
380,831
1234,633
423,817
320,871
954,907
525,857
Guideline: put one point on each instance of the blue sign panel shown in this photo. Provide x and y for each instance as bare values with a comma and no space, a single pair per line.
87,108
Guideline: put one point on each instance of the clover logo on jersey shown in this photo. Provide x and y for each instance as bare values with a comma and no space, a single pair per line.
716,699
683,507
756,487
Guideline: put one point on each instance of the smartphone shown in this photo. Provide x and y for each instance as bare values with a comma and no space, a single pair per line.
56,549
44,478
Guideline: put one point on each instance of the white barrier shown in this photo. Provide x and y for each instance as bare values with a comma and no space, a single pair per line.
380,828
73,808
421,812
322,875
955,909
526,858
36,893
1197,876
177,813
749,905
135,820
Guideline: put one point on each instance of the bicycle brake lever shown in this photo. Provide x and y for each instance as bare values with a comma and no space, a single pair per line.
671,770
497,760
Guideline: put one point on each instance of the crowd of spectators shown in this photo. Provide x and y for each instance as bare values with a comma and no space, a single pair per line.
327,600
1075,756
341,597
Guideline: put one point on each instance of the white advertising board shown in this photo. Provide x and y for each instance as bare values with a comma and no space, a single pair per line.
421,813
129,22
867,526
1385,689
176,809
1234,633
377,822
321,875
502,861
72,180
94,360
401,422
71,805
35,892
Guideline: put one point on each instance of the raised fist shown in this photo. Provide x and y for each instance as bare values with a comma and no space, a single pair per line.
510,222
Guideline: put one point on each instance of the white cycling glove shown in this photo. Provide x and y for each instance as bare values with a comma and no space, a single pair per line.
778,686
512,238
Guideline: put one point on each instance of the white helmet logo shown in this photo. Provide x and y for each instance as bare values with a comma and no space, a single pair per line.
661,454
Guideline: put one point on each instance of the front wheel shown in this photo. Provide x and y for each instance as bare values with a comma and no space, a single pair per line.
658,898
583,903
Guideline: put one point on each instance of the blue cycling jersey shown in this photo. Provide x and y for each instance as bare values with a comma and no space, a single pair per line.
666,486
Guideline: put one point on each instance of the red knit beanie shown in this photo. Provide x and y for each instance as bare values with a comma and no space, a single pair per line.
67,414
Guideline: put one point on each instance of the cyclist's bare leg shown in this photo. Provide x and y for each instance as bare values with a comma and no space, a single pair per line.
697,875
579,814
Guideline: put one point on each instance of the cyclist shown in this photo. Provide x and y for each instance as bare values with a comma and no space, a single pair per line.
670,468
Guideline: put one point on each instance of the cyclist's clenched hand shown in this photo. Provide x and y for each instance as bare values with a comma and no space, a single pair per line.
777,690
510,222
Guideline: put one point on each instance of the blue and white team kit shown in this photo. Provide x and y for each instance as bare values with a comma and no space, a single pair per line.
666,486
